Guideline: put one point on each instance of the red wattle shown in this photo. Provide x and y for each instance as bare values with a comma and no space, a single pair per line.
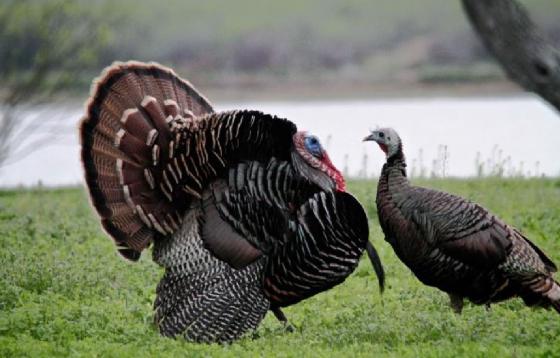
383,147
335,174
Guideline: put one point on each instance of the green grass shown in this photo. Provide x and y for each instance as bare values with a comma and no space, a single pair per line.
64,290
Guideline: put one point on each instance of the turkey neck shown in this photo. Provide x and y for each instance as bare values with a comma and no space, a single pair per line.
393,175
391,192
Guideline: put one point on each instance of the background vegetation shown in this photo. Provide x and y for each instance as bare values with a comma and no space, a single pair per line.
46,47
250,42
64,291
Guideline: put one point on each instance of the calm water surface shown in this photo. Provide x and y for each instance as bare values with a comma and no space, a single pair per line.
445,137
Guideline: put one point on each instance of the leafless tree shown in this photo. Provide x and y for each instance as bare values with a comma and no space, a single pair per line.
44,48
525,54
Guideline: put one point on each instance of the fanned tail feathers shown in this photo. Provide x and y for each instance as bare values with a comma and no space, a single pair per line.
125,133
151,144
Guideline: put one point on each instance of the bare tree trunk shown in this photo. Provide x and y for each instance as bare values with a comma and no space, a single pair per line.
527,57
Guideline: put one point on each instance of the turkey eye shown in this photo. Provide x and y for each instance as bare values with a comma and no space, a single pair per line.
312,145
381,134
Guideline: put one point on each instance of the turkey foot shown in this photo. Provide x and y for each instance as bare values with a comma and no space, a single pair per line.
456,303
282,318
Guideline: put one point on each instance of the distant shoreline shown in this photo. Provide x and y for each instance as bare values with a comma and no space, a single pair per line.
315,91
356,91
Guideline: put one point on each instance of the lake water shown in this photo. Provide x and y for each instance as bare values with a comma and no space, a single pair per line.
441,136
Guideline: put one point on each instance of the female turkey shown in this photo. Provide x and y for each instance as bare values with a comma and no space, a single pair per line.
455,245
244,213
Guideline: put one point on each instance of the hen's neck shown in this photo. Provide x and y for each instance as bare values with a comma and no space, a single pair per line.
393,174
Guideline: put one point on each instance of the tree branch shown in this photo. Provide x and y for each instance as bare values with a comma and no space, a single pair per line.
527,57
42,52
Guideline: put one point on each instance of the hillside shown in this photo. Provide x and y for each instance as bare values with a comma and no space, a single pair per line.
317,40
388,45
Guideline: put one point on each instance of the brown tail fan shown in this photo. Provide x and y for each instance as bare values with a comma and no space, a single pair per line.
125,133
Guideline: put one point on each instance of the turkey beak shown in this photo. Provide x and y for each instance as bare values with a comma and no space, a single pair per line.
369,138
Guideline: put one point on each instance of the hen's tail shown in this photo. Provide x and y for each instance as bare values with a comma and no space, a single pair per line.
553,295
531,269
542,291
201,297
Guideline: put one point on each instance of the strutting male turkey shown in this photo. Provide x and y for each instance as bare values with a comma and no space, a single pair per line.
244,213
456,245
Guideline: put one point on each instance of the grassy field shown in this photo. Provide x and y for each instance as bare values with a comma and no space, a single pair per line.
64,290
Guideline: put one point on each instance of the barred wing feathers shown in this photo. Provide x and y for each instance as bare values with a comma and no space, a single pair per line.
331,235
